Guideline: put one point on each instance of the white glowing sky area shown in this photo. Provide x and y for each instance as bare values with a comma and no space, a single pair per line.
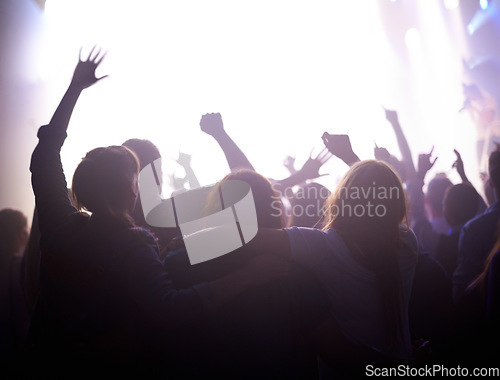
280,72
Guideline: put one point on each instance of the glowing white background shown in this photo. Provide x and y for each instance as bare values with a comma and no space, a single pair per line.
280,73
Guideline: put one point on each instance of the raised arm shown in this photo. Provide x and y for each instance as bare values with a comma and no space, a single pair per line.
83,77
459,166
288,163
185,161
340,146
48,180
211,124
310,170
392,117
383,154
415,192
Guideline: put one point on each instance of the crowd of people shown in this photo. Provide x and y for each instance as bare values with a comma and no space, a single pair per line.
372,271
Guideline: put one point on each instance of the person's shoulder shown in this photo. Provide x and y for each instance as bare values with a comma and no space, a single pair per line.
64,233
141,236
308,243
311,234
133,242
308,231
491,214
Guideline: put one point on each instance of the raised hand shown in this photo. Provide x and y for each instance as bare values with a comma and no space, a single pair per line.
381,154
211,124
340,146
289,164
84,75
391,116
459,166
425,163
310,169
184,159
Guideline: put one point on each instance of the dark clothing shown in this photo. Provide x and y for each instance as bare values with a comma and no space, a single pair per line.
105,298
14,315
31,265
493,293
262,333
431,304
447,250
476,241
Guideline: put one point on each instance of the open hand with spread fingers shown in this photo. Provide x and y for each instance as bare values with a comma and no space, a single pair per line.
310,169
84,75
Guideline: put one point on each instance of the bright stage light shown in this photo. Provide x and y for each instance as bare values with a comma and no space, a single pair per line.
483,4
412,38
451,4
281,73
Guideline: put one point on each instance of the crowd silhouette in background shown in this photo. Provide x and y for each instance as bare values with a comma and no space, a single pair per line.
372,270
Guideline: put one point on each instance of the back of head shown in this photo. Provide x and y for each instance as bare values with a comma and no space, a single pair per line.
105,182
460,204
435,192
307,205
369,198
494,170
267,201
13,231
367,209
145,150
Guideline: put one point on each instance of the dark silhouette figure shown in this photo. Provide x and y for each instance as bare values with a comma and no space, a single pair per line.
405,168
478,236
459,204
275,330
106,304
147,152
14,315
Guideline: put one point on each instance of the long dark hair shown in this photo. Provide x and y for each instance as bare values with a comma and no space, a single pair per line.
367,210
102,183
